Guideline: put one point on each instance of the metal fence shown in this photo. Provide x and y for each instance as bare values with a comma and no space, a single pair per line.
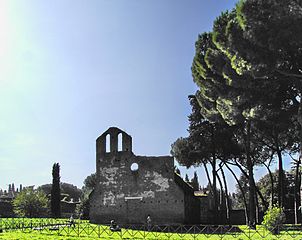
81,228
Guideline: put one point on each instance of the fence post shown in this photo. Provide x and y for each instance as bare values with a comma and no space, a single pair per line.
78,229
99,231
194,232
121,234
144,232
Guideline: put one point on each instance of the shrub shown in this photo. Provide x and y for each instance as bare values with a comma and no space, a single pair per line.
273,219
30,203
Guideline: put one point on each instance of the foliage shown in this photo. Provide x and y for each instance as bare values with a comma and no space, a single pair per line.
67,189
207,144
248,70
268,188
46,188
82,209
226,95
273,219
30,203
89,183
180,149
73,191
238,200
271,27
55,198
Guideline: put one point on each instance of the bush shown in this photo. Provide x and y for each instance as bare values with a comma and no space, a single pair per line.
273,219
30,203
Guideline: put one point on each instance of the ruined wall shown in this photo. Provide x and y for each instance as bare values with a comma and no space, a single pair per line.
68,208
129,196
192,208
204,210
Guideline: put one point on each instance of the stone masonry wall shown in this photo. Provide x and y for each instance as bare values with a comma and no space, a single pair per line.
129,196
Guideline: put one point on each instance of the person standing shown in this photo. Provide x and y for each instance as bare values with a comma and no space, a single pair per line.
149,222
71,221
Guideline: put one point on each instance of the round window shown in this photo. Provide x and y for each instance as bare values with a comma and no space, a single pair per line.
134,167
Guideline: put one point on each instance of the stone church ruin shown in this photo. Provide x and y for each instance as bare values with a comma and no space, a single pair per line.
130,187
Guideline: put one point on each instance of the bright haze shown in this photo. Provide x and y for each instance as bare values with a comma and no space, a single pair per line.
70,69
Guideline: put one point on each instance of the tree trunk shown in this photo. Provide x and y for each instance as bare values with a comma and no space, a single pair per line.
227,199
208,175
299,118
272,184
257,210
242,192
256,188
214,189
252,205
221,200
281,192
297,192
214,170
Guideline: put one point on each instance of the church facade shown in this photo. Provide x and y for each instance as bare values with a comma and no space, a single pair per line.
130,187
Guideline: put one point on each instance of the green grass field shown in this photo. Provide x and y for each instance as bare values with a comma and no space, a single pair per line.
14,229
35,235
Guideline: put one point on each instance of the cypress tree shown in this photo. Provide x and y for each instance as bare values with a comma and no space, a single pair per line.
187,178
55,192
195,183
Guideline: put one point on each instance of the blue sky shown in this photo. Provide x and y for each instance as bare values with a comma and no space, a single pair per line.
71,69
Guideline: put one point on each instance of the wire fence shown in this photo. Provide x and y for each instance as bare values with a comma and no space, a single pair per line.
82,228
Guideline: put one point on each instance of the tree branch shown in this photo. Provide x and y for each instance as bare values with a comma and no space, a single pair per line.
289,74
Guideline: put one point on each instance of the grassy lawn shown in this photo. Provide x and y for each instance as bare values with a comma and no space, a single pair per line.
60,230
35,236
16,235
